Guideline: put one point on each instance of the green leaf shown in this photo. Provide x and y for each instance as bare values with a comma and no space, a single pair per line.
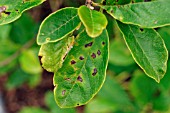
147,48
83,71
94,21
144,14
53,54
29,62
58,25
12,10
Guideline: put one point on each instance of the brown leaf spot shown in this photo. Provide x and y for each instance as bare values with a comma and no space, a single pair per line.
79,79
63,92
81,58
73,62
103,43
141,29
3,8
94,72
88,45
68,79
93,55
98,52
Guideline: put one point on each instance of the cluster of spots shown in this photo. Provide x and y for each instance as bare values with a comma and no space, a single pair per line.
94,72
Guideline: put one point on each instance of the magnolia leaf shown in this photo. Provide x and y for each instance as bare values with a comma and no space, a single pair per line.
145,14
53,54
94,21
147,48
11,10
58,25
83,72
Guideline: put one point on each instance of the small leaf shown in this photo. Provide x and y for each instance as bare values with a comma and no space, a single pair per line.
144,14
58,25
94,21
53,54
83,71
147,48
12,10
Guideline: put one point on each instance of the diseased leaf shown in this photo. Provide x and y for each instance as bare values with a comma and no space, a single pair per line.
147,48
10,10
58,25
145,14
94,21
83,71
53,54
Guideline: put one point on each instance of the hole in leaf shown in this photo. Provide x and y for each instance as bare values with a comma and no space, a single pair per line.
141,29
73,62
63,92
89,44
93,55
94,72
81,58
98,52
79,79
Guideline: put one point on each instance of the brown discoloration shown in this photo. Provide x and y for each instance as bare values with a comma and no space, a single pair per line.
88,45
98,52
79,79
103,43
2,9
93,55
63,92
81,58
73,62
94,72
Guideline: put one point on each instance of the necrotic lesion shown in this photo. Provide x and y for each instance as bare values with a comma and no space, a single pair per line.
2,9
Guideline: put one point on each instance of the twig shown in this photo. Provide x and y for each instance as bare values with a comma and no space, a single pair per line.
17,53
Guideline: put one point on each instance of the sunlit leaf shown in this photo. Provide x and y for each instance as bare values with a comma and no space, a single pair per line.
10,10
58,25
147,48
145,14
95,22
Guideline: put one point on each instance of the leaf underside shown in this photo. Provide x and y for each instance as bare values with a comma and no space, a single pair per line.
83,71
145,14
147,48
10,10
94,21
58,25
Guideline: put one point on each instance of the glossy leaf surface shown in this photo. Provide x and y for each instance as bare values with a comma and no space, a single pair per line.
83,71
94,21
10,10
53,54
147,48
58,25
145,14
